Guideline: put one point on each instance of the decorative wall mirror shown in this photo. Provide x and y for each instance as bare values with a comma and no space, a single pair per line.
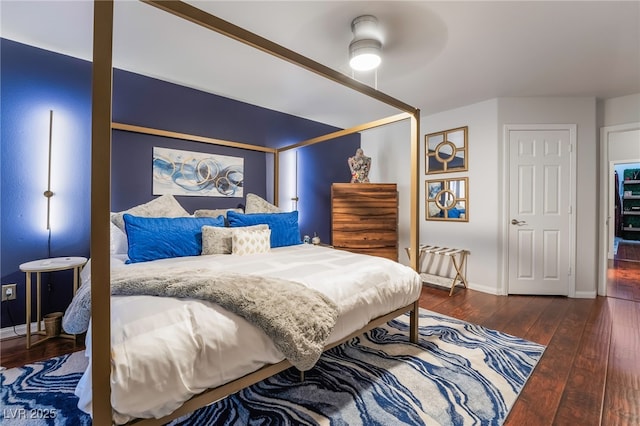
448,199
446,151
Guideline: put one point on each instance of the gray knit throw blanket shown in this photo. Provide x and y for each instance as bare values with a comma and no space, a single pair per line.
299,320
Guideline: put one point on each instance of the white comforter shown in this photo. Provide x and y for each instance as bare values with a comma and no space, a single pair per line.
166,350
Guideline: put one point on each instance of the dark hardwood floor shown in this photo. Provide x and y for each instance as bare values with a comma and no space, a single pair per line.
590,371
588,375
628,250
13,351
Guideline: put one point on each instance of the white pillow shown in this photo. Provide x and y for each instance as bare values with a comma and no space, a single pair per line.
163,206
219,240
118,240
251,242
256,204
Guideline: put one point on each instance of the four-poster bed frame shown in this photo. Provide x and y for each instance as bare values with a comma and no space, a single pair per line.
102,127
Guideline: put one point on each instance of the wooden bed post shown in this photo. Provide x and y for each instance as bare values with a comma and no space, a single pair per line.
414,240
276,177
100,208
413,322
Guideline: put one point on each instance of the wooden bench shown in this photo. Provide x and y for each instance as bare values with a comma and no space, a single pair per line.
458,260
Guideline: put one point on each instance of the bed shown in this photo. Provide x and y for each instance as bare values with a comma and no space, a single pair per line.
166,350
362,316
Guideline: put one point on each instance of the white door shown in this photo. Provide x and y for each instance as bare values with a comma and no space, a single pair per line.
540,210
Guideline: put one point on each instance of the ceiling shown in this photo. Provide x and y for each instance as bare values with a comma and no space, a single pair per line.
436,55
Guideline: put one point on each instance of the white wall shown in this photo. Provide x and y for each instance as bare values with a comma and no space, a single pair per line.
620,110
623,146
390,153
618,144
481,235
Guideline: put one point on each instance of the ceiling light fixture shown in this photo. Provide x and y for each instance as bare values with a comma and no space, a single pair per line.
365,48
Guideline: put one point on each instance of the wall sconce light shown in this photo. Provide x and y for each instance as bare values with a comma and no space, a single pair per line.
365,48
48,193
295,199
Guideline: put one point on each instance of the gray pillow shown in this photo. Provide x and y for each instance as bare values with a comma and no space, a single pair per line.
163,206
218,240
257,204
214,212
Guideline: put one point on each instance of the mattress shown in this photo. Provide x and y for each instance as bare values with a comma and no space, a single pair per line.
165,350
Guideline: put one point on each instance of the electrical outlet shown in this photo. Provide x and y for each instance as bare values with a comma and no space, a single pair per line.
8,292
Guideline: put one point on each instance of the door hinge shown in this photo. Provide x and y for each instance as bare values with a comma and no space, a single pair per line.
570,209
570,148
569,270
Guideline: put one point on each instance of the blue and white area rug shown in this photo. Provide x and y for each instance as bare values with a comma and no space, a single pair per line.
42,393
458,374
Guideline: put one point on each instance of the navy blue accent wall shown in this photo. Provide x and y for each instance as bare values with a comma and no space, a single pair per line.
315,178
36,80
157,104
33,82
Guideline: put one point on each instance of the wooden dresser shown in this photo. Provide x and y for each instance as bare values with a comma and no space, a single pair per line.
364,218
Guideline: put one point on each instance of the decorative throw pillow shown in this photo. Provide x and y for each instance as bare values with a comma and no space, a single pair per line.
256,204
214,212
251,242
118,240
284,226
152,238
163,206
217,240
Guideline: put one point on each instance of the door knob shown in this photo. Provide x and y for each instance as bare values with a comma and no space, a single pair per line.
518,222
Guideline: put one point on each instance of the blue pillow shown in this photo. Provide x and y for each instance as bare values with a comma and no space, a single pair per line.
152,238
284,226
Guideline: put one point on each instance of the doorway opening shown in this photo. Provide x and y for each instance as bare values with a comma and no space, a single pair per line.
619,213
626,199
623,277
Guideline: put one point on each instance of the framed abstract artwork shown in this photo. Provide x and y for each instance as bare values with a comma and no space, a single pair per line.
178,172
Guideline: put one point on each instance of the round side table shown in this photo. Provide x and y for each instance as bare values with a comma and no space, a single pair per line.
47,265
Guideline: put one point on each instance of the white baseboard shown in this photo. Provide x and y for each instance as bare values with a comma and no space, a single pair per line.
484,289
436,280
445,282
585,295
7,332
